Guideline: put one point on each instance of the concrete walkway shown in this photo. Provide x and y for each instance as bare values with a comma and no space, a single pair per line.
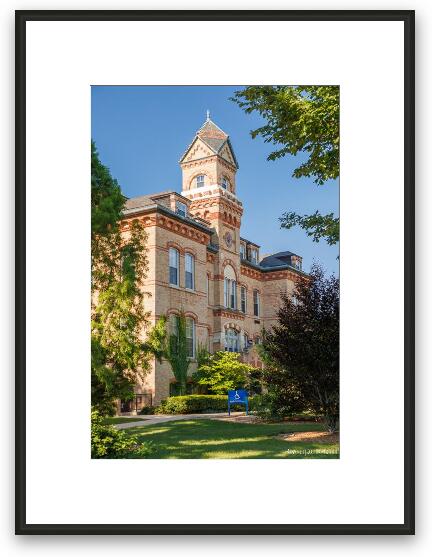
161,418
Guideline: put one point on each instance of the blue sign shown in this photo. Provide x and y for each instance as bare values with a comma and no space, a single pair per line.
237,397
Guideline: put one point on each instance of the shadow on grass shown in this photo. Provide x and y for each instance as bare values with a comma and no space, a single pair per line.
190,439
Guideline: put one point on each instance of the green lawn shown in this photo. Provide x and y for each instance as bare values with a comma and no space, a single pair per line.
120,420
217,439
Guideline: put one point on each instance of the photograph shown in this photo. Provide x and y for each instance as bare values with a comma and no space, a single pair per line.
214,272
214,268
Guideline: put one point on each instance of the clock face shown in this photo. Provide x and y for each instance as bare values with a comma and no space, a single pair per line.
228,239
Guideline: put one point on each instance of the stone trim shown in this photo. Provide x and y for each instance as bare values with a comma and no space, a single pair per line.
225,312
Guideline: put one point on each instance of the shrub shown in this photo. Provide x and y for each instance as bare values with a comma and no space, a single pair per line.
196,404
146,410
109,442
223,371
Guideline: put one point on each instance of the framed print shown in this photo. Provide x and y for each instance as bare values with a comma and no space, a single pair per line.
215,272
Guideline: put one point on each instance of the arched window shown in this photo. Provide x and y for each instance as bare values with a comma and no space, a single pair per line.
225,183
190,337
230,288
200,181
189,271
174,259
232,340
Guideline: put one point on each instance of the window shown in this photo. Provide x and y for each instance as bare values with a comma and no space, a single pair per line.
233,296
174,258
181,209
200,181
230,288
225,183
246,341
242,251
231,340
189,271
190,337
256,302
243,299
230,291
254,256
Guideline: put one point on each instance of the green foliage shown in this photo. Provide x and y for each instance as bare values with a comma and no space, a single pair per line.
147,410
107,200
223,371
317,226
167,339
303,118
119,267
300,119
302,350
196,404
109,442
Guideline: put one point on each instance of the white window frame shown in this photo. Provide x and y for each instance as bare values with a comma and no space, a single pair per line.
192,321
233,295
190,258
181,208
232,340
243,299
176,253
254,256
200,183
256,303
242,251
225,183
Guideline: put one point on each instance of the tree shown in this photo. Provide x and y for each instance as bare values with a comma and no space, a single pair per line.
119,267
304,345
223,371
300,119
167,339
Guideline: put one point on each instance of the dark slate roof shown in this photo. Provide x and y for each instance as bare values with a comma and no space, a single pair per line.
249,242
137,202
214,138
279,259
142,202
211,129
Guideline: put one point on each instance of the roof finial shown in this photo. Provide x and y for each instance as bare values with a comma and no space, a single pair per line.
208,115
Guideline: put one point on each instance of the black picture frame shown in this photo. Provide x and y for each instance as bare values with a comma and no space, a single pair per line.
22,17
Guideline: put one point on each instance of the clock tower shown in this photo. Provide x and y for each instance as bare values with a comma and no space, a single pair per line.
209,168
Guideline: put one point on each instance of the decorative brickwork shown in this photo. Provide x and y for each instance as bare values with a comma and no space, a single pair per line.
213,239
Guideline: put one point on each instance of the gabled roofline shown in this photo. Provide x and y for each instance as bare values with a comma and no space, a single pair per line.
162,209
214,124
226,141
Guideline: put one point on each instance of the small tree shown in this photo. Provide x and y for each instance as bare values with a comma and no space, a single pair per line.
168,340
304,347
223,371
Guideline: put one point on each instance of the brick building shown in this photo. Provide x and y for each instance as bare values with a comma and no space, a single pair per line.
200,263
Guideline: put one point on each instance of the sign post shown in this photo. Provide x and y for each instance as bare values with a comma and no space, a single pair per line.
238,397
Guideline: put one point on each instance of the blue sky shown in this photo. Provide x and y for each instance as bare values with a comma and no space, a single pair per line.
141,133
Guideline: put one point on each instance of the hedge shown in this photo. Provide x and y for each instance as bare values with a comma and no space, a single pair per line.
195,404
